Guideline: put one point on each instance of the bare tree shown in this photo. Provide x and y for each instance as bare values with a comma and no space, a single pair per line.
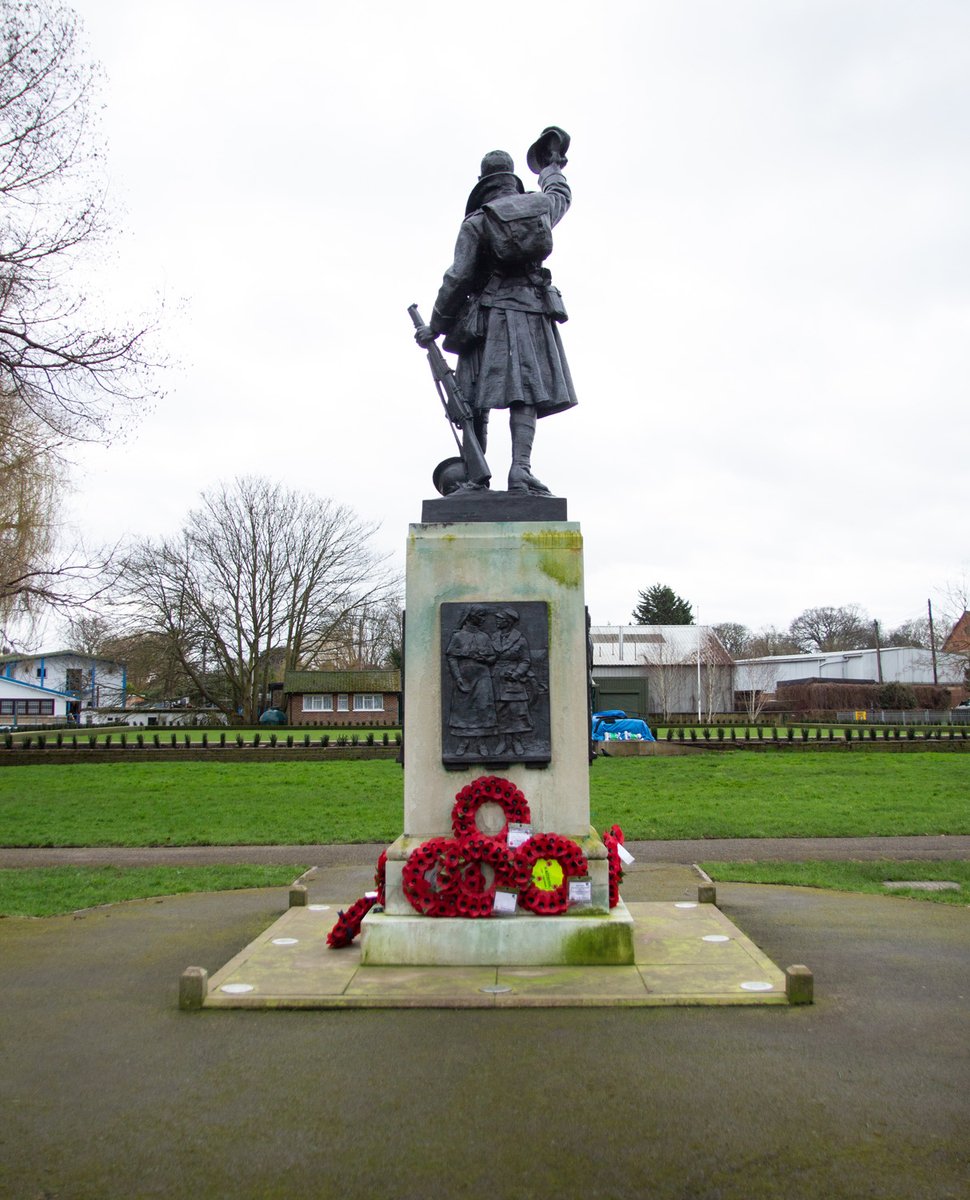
66,374
760,678
260,574
734,637
770,640
718,666
369,639
828,629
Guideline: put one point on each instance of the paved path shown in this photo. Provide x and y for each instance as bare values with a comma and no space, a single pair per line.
944,848
109,1091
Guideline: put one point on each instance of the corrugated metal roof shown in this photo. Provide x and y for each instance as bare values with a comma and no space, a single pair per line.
654,645
341,681
12,658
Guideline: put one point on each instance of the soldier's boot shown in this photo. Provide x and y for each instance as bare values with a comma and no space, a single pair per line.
522,421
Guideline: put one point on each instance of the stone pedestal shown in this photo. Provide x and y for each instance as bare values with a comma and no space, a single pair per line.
507,563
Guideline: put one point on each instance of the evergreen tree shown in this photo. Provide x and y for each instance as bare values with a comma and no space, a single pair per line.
660,605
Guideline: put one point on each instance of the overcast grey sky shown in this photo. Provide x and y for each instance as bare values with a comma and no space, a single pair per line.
765,266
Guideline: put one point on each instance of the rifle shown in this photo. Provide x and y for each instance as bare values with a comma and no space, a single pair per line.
457,410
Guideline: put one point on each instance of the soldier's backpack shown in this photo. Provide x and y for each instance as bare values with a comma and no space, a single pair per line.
519,229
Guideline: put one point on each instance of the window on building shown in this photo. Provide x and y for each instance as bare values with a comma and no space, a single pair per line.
6,707
318,703
47,708
369,702
342,705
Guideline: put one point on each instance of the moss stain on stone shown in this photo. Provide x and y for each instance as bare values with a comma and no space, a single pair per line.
559,556
608,945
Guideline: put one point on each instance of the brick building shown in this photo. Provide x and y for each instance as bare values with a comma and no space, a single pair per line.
335,698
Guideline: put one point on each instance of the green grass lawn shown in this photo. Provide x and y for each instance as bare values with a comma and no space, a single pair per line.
48,891
850,876
777,794
774,794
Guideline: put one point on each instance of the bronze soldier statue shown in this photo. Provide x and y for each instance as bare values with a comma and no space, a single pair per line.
497,306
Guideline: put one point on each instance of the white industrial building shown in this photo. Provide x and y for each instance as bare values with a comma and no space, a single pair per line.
902,664
661,670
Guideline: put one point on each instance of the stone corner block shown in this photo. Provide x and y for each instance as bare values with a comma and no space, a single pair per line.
799,985
707,894
193,987
298,896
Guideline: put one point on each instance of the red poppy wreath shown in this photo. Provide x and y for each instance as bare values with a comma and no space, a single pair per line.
432,876
561,850
612,838
348,923
488,789
475,897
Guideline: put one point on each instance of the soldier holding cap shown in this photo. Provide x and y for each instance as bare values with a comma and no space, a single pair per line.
497,306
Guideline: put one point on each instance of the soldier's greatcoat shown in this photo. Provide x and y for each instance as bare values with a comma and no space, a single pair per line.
502,325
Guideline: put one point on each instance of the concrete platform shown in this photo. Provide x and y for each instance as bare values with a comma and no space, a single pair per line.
684,954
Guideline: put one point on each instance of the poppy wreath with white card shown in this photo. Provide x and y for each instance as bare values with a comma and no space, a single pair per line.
612,838
554,849
475,897
488,789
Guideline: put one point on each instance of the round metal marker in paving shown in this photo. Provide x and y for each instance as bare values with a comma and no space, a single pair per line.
715,937
318,907
757,985
235,989
285,941
495,989
686,904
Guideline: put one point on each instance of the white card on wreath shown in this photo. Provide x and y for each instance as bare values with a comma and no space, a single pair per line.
581,890
504,903
625,855
519,834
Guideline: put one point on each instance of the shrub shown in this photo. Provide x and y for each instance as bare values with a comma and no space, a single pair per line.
222,739
74,741
707,734
60,740
93,740
205,741
27,742
355,739
7,741
693,735
256,739
747,734
341,739
140,740
41,742
386,738
306,739
848,735
273,740
911,733
791,733
239,739
289,741
187,739
156,740
324,740
896,695
398,738
369,740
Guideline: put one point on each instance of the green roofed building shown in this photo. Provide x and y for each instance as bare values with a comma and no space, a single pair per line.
333,698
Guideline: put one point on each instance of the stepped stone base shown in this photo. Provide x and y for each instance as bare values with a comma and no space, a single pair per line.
593,938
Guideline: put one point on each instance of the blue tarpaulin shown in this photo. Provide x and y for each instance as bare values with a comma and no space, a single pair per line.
615,725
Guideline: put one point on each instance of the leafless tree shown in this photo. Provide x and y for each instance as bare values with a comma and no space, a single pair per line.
717,672
369,639
257,569
66,373
734,637
828,629
770,640
761,678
